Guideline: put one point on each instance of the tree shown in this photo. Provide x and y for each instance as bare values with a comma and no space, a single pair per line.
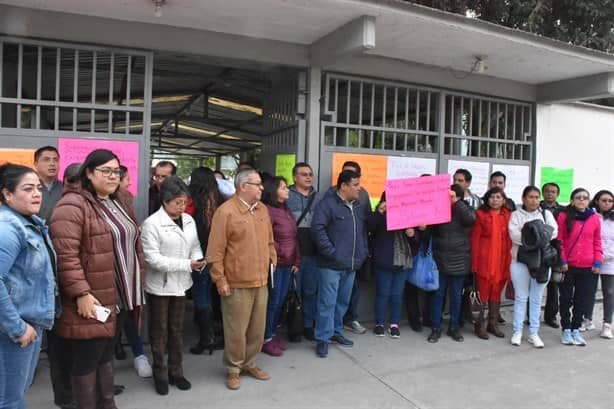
586,23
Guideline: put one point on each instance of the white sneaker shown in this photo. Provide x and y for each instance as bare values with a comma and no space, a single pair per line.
587,325
516,338
606,331
535,340
355,327
142,366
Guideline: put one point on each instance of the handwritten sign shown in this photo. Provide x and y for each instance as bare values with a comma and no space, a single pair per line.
76,150
17,156
400,167
283,166
416,201
373,167
480,172
517,178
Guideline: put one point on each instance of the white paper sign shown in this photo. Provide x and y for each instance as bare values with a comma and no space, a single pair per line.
517,178
400,167
480,171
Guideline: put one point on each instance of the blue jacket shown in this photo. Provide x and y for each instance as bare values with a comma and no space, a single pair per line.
27,281
340,233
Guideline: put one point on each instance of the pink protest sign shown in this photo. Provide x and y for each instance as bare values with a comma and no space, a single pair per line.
416,201
76,150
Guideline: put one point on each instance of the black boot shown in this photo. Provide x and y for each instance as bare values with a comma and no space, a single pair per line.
84,390
207,339
106,389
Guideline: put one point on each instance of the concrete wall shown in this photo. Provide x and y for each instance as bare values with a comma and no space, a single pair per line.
578,136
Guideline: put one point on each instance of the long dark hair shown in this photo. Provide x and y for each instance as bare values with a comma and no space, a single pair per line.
595,205
488,194
10,176
94,159
269,196
206,198
570,210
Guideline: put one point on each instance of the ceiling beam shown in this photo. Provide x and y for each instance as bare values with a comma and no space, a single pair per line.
577,89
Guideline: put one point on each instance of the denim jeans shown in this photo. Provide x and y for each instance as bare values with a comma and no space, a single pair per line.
201,288
132,335
453,285
334,291
277,297
307,283
389,285
526,288
17,367
352,312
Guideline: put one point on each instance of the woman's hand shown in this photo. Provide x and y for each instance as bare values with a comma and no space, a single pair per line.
595,270
564,268
410,232
85,306
198,265
28,337
294,269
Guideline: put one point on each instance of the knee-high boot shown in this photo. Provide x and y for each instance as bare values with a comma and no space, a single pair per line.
106,396
479,326
84,390
493,317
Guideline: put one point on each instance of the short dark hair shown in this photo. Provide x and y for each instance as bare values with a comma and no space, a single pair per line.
458,190
529,189
165,163
554,185
10,176
123,171
92,161
298,165
465,173
245,164
39,151
346,177
498,174
269,195
354,165
489,193
171,188
71,173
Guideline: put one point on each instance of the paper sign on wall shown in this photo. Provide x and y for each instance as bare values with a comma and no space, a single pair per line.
76,150
18,156
416,201
373,167
562,177
283,166
517,178
401,167
480,171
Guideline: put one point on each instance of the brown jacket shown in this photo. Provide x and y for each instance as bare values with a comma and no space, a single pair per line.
241,245
86,262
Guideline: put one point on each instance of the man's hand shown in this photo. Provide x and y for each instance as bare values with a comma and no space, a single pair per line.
224,291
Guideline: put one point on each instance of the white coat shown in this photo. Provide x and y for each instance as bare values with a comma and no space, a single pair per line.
168,253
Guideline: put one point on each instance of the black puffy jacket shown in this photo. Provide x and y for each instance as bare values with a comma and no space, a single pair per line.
452,241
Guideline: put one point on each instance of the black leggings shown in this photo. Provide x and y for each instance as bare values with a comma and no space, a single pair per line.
576,290
88,354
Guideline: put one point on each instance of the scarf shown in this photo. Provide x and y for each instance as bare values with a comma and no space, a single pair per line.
582,216
401,253
495,255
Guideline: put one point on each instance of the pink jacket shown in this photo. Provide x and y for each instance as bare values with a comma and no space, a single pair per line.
586,250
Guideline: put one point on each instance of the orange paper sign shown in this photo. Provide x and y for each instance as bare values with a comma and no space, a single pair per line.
17,156
373,169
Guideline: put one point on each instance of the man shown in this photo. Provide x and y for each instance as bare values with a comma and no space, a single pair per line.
550,192
46,164
162,170
302,201
339,231
462,177
498,179
242,253
350,321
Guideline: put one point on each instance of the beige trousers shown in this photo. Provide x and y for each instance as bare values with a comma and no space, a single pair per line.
244,315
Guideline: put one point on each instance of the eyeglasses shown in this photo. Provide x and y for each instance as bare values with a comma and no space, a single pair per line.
306,174
580,197
108,171
607,200
254,184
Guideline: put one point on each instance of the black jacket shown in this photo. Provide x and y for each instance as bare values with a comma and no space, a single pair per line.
452,241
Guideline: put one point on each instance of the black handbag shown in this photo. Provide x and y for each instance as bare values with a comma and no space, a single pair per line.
294,313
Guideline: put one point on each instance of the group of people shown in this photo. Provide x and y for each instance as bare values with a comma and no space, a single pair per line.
76,264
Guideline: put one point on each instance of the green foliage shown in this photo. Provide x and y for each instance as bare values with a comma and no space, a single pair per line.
586,23
186,164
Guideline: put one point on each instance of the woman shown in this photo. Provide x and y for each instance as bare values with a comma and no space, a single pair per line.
204,200
491,257
581,260
27,282
172,252
275,195
525,286
101,267
452,253
604,204
391,257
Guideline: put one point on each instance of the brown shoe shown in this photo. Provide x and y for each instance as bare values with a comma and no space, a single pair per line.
257,373
232,381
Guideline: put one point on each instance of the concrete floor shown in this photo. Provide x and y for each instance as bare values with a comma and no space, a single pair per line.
389,373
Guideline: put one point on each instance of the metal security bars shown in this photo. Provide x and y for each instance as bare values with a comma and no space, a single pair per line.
380,115
66,87
487,128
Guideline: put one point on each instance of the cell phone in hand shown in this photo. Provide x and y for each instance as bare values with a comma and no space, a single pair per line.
102,313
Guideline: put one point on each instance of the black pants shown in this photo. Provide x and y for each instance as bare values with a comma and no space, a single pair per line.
577,291
60,364
415,313
89,354
552,302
